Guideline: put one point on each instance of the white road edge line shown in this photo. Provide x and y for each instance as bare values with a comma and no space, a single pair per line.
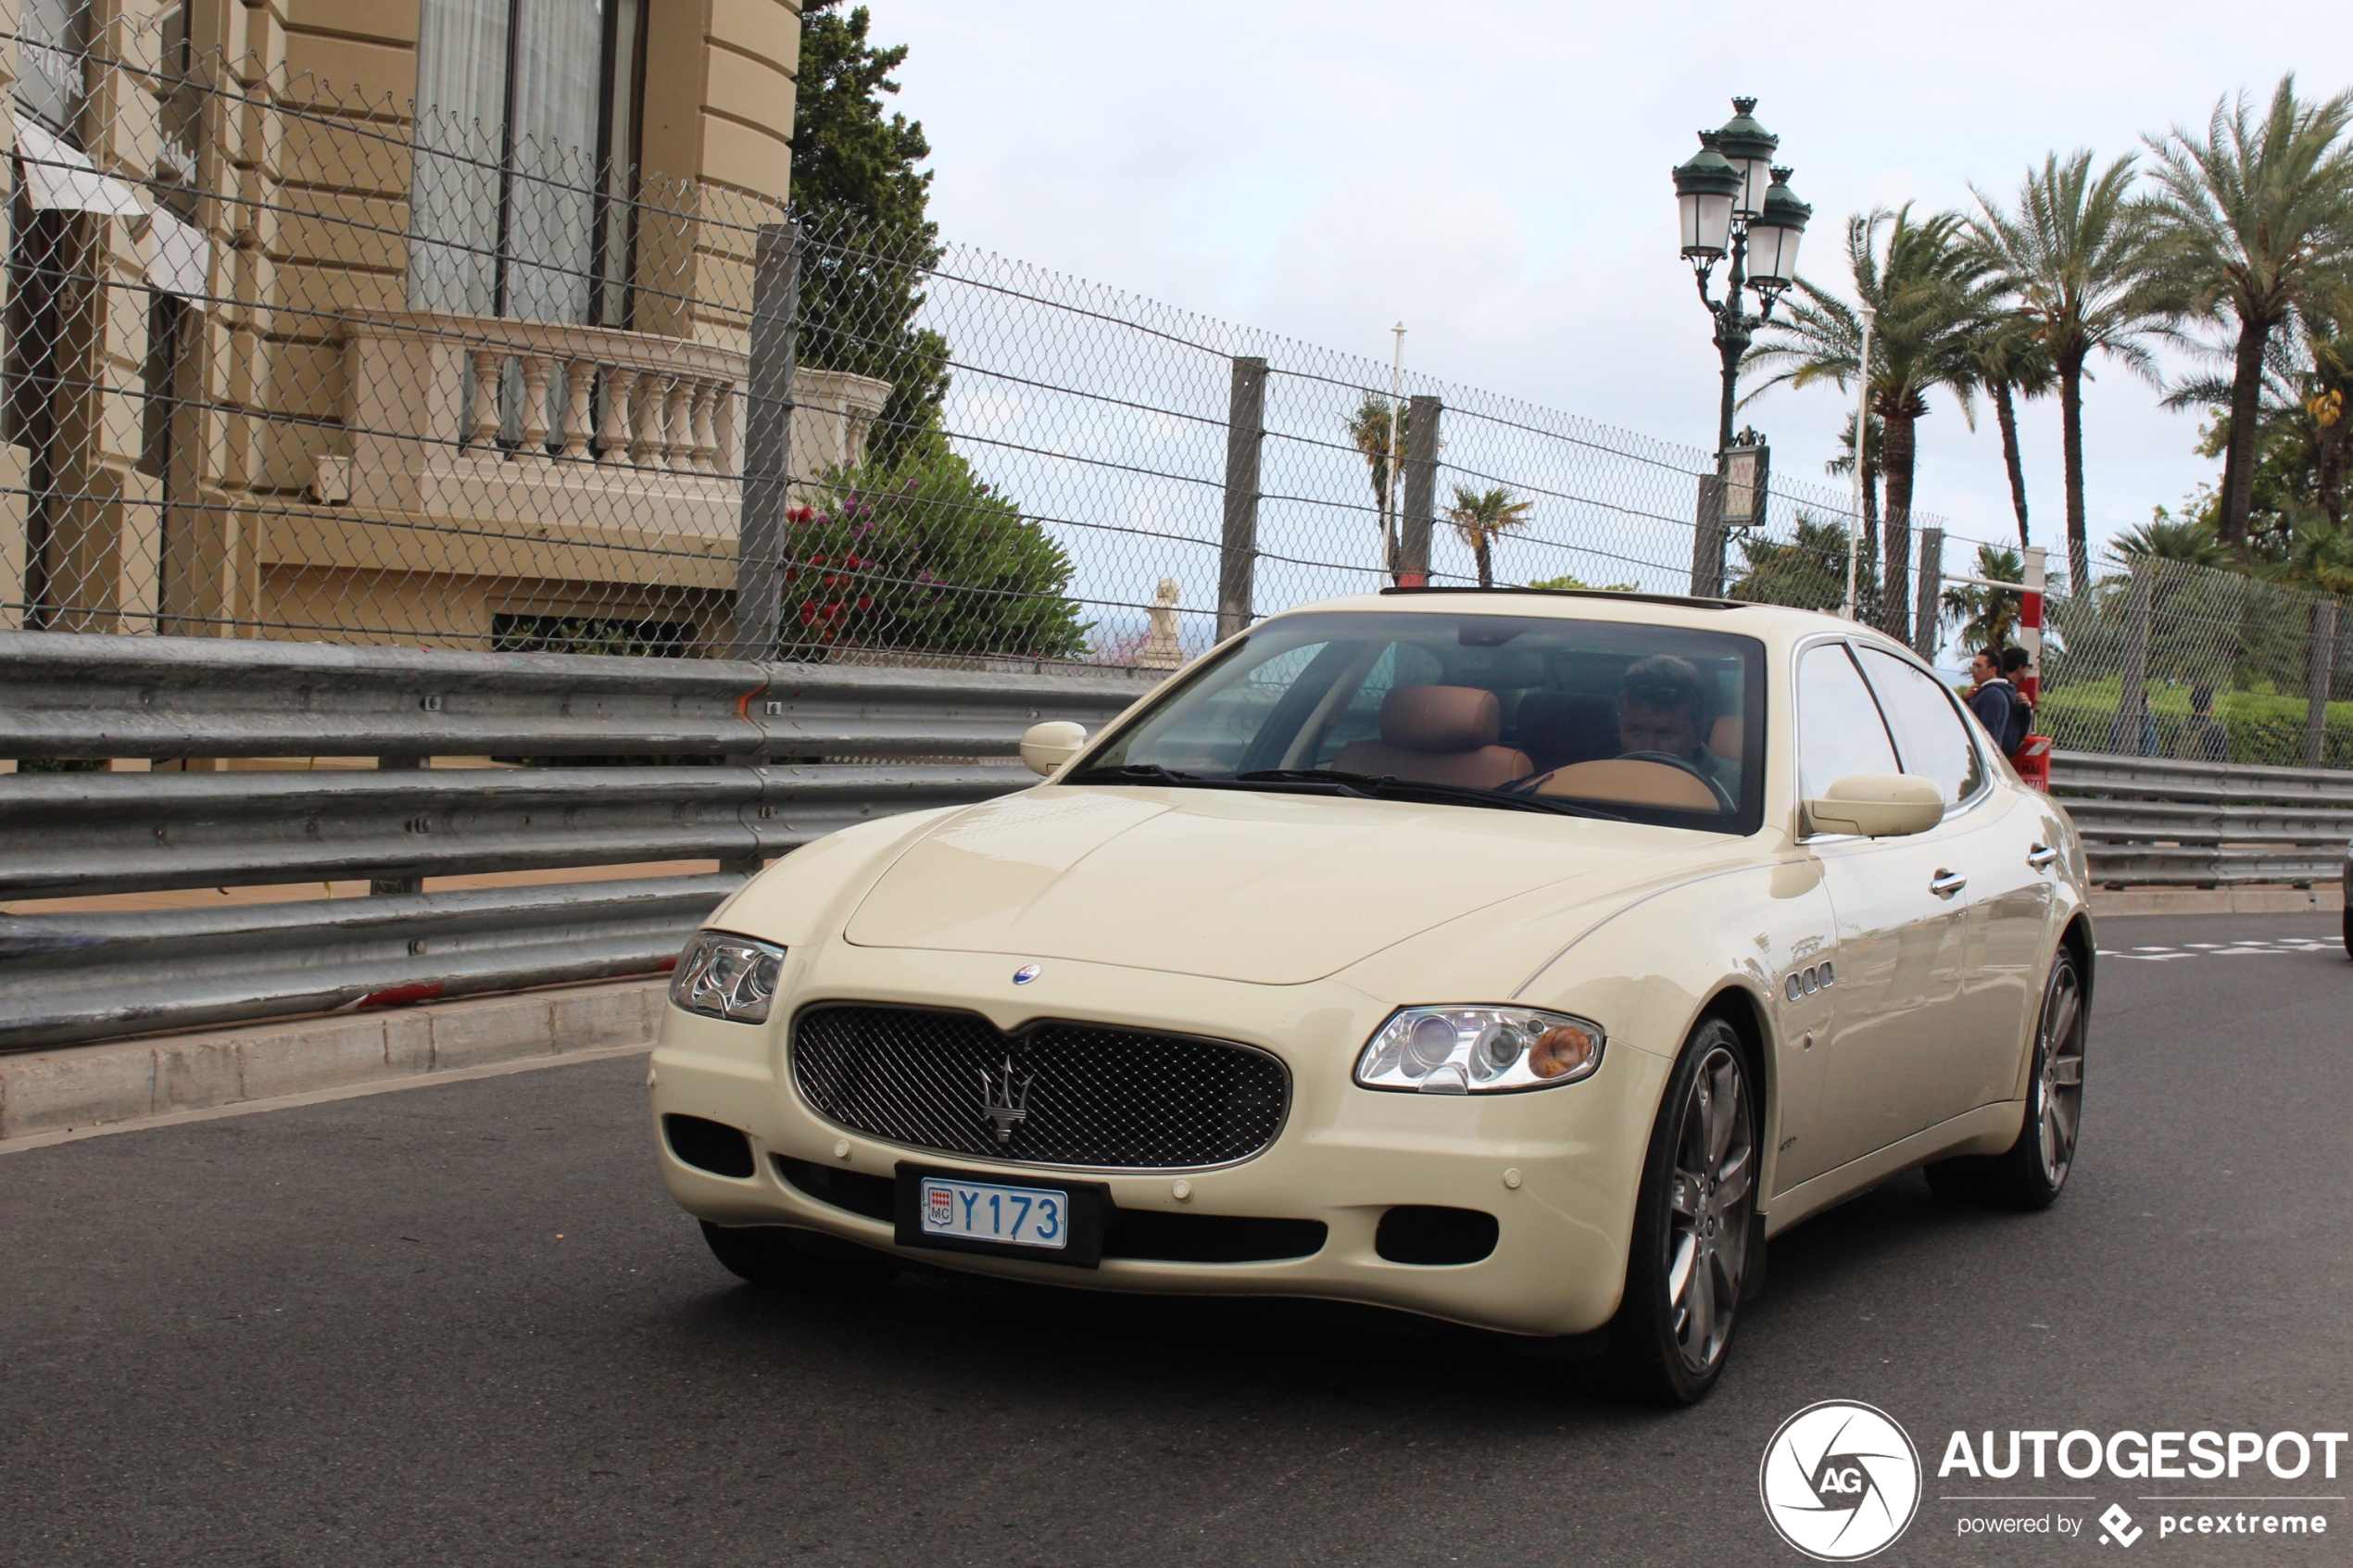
319,1097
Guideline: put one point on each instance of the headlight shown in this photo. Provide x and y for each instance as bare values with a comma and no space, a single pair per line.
1479,1050
729,978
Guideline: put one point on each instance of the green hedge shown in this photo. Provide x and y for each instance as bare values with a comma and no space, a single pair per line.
2264,727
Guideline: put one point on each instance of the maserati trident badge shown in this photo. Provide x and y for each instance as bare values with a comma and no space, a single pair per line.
1005,1100
1024,975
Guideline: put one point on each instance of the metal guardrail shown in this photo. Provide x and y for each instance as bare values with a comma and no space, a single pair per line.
2150,821
70,976
95,696
65,834
96,975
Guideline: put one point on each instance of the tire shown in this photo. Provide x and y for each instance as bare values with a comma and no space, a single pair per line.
1687,1265
778,1258
2032,1172
2349,922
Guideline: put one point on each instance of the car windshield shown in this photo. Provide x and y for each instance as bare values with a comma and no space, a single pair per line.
1660,724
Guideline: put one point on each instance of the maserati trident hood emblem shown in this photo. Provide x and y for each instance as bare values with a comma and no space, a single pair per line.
1024,975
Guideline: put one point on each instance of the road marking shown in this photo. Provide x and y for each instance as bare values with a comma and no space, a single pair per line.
2246,945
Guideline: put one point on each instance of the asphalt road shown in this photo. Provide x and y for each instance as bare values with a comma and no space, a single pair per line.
463,1324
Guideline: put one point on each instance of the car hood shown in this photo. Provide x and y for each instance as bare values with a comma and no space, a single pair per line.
1266,889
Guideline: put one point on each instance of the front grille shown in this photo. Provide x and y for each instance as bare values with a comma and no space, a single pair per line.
1096,1097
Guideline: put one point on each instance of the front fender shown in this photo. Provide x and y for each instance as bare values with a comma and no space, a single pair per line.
1649,971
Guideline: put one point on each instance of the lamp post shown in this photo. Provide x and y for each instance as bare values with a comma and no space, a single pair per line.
1733,203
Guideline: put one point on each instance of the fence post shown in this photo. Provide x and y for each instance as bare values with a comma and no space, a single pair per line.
1707,539
2316,688
1931,583
2129,735
1238,555
1421,491
759,530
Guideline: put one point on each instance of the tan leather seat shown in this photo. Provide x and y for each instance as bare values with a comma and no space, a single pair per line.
1438,735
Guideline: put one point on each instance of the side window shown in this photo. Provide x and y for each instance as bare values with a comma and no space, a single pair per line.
1930,734
1839,732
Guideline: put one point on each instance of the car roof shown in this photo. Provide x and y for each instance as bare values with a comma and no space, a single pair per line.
1776,625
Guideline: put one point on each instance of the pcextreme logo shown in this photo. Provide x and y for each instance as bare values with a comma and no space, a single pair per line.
1840,1481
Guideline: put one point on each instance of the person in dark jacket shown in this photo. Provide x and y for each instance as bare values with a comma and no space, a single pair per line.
1993,700
2015,665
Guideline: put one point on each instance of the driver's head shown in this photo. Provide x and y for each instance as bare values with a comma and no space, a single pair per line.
1661,707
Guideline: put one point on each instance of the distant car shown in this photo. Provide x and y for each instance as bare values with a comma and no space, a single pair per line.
1514,957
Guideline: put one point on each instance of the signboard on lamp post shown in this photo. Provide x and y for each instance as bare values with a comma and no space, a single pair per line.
1747,478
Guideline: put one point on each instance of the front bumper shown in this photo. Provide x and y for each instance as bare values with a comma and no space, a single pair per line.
1557,1168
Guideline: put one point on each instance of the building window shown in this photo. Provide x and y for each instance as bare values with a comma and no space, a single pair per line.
526,158
52,39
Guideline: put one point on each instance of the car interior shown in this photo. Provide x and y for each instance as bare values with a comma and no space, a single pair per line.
1515,706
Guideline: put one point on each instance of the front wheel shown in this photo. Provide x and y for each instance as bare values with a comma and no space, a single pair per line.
1690,1256
2032,1172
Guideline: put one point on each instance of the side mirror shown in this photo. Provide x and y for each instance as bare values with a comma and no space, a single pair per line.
1876,806
1047,745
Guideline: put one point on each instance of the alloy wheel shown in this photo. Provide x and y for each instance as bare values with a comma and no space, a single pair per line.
2060,1084
1709,1205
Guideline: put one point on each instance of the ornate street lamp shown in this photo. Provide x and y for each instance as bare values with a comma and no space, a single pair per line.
1732,202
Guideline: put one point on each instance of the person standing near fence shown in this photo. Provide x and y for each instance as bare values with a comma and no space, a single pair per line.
2202,737
1995,701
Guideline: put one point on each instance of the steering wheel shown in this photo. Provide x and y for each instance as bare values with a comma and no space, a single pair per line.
1723,796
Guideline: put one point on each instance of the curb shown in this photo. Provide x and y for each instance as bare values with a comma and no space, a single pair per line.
2324,899
83,1087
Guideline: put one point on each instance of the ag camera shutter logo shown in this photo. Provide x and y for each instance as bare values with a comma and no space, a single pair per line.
1840,1481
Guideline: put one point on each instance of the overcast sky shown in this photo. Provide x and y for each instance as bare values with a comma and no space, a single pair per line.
1494,173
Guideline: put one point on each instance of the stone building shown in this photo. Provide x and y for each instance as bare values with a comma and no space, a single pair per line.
413,320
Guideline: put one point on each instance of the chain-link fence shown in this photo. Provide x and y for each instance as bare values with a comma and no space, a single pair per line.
290,363
286,361
2166,658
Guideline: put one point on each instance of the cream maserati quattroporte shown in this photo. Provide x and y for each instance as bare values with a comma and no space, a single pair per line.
1519,958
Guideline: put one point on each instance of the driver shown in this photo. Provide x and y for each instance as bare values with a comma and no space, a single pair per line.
1662,707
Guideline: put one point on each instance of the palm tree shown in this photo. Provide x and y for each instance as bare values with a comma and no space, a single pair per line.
2185,540
1480,515
1809,569
1986,616
1929,289
1370,431
1843,464
2011,362
2304,440
2075,255
2251,221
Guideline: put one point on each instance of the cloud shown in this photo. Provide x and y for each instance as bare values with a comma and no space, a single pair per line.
1495,174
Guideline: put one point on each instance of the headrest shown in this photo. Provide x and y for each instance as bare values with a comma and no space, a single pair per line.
1724,740
1440,718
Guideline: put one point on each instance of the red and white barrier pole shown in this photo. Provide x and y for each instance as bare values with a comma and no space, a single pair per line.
2030,625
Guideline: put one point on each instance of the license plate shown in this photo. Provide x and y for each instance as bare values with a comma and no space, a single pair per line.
981,1211
970,1211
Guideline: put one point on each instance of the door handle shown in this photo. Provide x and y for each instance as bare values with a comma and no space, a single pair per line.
1946,883
2041,856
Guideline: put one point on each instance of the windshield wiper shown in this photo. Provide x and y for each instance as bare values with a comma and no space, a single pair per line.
1137,773
1391,787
